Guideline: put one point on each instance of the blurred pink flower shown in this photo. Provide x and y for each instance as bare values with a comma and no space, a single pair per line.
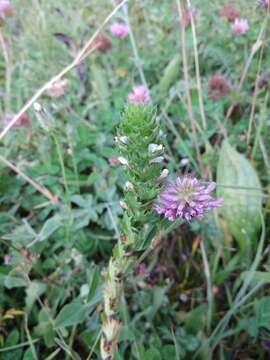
240,26
58,88
119,30
264,3
218,86
139,95
6,9
23,121
102,43
186,198
231,12
187,16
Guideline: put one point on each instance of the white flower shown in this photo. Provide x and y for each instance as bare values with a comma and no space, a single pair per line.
123,205
129,185
157,160
164,174
184,161
122,160
37,107
155,147
123,139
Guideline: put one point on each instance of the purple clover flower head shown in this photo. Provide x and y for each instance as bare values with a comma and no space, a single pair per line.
240,26
264,3
186,198
6,9
139,95
119,30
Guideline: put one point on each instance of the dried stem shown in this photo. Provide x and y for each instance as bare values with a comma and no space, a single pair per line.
256,46
186,83
85,51
38,187
254,98
197,68
8,72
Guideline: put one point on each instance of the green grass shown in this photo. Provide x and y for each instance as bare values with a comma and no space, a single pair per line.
203,297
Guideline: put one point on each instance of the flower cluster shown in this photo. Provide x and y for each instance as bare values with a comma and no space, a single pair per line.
139,95
6,10
186,198
58,88
218,87
23,121
240,26
264,3
102,43
119,30
230,12
187,15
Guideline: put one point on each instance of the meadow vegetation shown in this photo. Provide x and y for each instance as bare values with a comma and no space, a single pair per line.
134,186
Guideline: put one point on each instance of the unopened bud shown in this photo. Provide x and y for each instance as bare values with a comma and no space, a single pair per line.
69,152
122,160
157,160
123,139
164,174
152,148
156,242
37,107
111,329
129,186
123,205
184,162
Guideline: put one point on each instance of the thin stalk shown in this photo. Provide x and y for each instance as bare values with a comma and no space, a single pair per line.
186,83
85,51
256,46
197,68
14,347
44,191
138,62
62,165
8,72
240,298
254,98
31,342
209,286
265,158
262,118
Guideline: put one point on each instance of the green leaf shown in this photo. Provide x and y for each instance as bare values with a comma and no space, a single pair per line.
71,314
257,276
101,85
170,74
12,338
152,354
50,226
34,290
196,319
28,355
262,312
240,188
11,281
94,282
158,298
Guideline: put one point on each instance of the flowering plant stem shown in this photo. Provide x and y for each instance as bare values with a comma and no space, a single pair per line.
140,144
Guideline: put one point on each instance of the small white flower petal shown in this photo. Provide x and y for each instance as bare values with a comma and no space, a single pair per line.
184,161
155,147
124,139
157,160
122,160
123,205
164,174
129,185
